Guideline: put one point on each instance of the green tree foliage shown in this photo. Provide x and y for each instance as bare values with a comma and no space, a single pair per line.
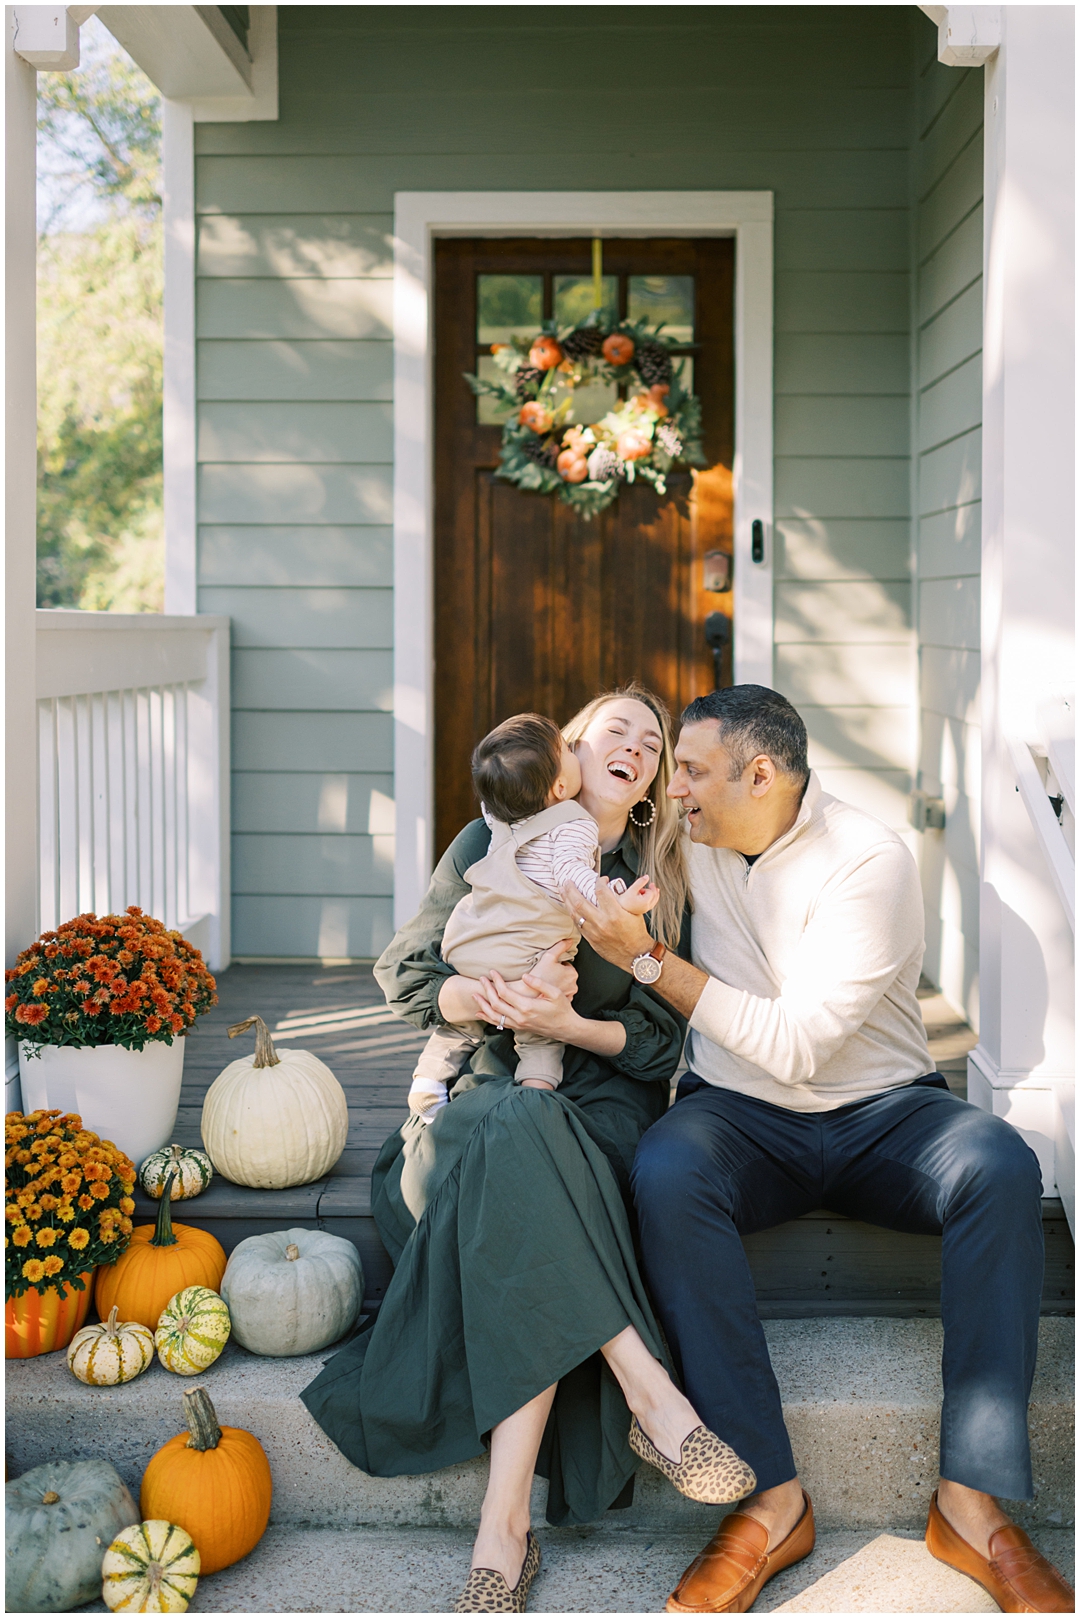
100,338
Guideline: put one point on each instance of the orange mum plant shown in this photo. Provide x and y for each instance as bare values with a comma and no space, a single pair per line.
107,980
68,1201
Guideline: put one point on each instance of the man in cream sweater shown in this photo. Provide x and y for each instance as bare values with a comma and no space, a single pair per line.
810,1084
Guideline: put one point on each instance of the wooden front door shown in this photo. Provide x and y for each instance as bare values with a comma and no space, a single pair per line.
536,608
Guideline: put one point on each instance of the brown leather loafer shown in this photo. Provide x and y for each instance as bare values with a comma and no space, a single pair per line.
1019,1577
736,1564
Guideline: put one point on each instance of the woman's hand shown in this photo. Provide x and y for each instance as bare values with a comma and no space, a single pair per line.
530,1006
537,1007
554,971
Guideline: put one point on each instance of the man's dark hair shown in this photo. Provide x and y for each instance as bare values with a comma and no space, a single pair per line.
516,765
754,720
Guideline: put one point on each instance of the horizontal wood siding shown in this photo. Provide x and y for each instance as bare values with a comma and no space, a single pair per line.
948,413
295,375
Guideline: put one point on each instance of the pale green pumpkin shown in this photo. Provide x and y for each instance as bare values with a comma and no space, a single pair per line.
192,1330
152,1567
58,1520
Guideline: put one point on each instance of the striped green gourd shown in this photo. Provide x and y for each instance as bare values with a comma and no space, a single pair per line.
192,1330
152,1567
193,1172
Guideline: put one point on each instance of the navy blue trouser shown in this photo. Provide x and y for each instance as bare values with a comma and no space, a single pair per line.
720,1164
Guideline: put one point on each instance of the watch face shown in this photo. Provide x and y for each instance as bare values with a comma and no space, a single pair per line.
646,969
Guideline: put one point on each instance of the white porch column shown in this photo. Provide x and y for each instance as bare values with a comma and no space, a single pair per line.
20,502
1026,947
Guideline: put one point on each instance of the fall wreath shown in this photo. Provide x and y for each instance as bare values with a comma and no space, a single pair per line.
653,425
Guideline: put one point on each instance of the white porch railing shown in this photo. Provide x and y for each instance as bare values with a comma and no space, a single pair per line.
133,770
1045,768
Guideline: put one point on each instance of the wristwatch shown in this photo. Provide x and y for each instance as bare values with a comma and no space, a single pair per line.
648,967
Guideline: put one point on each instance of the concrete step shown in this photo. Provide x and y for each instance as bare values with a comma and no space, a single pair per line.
861,1400
420,1570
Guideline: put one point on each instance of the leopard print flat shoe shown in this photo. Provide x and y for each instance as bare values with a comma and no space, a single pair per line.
707,1470
487,1591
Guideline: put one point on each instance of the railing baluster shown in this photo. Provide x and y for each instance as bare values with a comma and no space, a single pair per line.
116,777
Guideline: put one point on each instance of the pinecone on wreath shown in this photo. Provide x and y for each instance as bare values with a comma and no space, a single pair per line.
653,363
526,379
543,450
584,343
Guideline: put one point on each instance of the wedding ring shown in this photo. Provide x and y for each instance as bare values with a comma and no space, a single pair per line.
502,1024
581,921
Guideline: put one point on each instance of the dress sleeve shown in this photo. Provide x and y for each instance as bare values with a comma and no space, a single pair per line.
411,971
654,1036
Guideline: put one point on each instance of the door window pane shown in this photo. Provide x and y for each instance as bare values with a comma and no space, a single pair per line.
574,298
590,402
666,298
508,306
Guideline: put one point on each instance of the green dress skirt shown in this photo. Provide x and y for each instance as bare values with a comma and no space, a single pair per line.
507,1219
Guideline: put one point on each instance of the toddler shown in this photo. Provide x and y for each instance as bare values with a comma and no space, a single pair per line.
527,780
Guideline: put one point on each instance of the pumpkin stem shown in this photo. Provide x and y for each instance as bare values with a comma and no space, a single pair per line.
265,1054
110,1324
163,1234
50,1497
201,1417
292,1252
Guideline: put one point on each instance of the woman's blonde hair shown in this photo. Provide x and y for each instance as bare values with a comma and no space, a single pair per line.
659,845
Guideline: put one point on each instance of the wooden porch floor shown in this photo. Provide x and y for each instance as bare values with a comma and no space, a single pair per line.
819,1265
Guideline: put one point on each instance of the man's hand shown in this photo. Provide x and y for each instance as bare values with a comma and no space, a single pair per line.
613,932
621,937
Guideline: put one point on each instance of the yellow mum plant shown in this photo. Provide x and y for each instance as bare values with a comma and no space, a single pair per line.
68,1197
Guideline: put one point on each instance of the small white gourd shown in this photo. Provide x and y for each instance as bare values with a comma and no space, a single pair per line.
111,1352
271,1120
191,1172
292,1291
151,1567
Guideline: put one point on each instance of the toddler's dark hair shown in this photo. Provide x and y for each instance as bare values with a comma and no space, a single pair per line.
516,765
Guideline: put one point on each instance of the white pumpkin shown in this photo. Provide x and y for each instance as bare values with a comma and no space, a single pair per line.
271,1120
112,1352
292,1291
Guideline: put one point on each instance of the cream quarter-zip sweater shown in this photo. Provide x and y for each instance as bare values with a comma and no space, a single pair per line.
813,955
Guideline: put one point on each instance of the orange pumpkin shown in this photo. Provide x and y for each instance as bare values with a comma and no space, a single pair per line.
535,416
40,1322
212,1481
572,466
160,1261
617,349
545,354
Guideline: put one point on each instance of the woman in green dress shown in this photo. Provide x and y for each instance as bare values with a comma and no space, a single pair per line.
516,1316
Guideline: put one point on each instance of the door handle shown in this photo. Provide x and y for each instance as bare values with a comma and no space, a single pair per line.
717,635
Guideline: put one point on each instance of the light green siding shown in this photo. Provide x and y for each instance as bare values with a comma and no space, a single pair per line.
815,104
948,413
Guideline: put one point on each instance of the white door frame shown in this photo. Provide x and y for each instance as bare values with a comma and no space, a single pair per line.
419,217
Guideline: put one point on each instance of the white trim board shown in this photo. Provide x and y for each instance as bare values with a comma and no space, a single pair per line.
419,217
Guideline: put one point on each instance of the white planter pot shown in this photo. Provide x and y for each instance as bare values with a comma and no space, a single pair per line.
128,1097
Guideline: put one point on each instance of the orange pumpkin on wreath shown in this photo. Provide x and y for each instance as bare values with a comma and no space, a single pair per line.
545,354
